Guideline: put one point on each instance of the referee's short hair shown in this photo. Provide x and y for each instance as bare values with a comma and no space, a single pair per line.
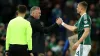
21,8
34,8
84,4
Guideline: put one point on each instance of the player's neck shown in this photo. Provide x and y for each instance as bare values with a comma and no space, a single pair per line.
82,13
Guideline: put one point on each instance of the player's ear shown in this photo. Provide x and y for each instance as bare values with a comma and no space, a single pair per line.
82,8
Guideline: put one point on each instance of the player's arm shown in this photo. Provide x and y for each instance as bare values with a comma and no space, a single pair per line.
85,34
69,27
29,36
7,38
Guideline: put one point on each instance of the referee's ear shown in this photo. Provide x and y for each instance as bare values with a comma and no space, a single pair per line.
16,13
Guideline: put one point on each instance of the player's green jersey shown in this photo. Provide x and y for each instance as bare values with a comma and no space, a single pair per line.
84,22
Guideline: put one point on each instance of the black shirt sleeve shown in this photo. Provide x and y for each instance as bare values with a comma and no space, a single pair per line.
38,27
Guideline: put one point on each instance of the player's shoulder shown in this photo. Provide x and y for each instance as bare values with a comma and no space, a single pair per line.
86,16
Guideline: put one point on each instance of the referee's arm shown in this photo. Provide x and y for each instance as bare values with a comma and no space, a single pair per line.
8,38
29,37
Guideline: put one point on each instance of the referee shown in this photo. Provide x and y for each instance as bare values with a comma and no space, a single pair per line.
19,35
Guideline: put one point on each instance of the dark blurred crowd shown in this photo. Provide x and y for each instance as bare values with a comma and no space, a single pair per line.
52,9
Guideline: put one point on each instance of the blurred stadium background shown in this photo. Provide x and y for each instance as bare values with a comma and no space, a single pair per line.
51,9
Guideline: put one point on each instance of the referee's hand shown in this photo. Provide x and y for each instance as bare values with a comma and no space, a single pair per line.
31,54
6,54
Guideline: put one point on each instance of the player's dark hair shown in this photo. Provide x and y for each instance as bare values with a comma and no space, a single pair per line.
84,4
21,8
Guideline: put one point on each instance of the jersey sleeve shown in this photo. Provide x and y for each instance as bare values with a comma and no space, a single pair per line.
29,36
8,37
86,21
76,24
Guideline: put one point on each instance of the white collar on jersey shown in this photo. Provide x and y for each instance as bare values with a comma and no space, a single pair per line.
83,14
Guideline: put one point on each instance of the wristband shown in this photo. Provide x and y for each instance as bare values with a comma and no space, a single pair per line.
62,23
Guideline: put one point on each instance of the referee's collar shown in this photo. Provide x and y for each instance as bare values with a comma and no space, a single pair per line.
20,17
83,14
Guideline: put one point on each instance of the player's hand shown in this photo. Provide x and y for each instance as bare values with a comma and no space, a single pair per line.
31,54
59,21
75,46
